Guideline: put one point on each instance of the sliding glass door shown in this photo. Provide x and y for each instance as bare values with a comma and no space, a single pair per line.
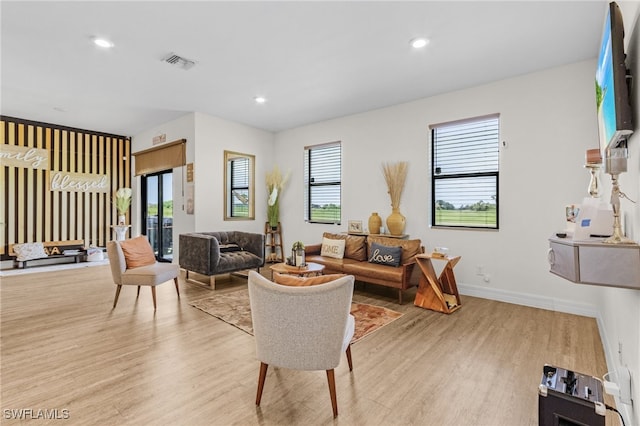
157,213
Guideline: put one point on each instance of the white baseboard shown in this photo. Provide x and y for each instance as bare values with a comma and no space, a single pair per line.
527,299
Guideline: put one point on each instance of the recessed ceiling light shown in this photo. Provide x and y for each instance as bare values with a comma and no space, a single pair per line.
102,42
418,43
260,99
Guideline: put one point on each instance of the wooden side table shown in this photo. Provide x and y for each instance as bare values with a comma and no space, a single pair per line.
437,293
306,271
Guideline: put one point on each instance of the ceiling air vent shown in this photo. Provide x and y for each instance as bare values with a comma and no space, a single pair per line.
178,61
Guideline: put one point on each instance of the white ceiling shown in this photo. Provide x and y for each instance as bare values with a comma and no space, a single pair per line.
312,60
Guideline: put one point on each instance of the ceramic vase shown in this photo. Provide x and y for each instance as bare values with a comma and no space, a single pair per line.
396,222
375,222
122,219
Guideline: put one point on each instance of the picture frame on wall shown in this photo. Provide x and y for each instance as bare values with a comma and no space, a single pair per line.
355,226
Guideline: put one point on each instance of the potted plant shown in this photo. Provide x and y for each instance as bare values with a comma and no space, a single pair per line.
122,202
395,175
298,253
275,183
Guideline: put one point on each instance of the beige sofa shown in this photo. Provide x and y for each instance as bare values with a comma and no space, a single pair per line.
356,261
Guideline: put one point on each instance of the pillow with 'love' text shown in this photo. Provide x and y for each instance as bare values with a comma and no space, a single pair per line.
385,255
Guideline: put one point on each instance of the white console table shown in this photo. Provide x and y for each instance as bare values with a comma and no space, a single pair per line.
594,262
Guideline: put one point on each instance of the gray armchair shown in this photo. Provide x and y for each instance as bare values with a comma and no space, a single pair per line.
302,328
216,253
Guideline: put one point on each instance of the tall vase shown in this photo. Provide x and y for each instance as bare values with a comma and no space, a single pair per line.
375,222
396,222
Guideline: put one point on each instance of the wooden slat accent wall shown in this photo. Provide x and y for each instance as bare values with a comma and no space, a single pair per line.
30,212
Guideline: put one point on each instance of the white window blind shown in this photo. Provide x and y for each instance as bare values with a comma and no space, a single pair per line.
239,193
322,181
465,171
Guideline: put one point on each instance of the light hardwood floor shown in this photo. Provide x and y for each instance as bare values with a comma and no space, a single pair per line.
64,348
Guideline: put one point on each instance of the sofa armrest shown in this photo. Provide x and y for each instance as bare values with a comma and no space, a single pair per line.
199,253
251,242
411,272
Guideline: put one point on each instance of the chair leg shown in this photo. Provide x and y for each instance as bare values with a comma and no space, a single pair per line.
332,391
399,297
115,301
138,293
177,288
261,378
153,294
349,357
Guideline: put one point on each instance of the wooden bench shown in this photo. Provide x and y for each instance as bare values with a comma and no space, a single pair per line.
54,250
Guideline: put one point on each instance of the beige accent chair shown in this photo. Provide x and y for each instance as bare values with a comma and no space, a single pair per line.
302,328
150,275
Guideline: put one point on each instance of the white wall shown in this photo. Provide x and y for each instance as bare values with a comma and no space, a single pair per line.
207,139
547,121
620,308
214,136
181,128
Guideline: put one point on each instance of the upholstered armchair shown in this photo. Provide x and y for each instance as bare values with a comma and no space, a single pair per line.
133,263
216,253
302,328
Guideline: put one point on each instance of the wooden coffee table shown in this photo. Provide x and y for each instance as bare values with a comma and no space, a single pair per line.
310,269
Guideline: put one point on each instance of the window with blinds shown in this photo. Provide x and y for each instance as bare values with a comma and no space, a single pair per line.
322,182
239,187
465,171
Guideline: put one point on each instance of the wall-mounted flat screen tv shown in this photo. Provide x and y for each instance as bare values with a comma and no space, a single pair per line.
612,89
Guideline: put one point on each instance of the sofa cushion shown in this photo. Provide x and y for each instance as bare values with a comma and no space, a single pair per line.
154,274
385,255
293,280
409,247
29,251
331,264
137,252
355,246
332,248
236,260
365,270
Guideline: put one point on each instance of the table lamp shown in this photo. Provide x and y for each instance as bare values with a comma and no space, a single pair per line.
616,163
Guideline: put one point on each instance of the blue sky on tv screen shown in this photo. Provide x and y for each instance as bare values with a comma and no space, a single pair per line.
604,78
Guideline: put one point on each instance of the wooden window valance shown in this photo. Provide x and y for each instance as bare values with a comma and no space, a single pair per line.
167,156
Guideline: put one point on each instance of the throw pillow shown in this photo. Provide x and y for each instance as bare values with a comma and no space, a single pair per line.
354,247
409,247
332,248
292,280
385,255
138,252
29,251
227,248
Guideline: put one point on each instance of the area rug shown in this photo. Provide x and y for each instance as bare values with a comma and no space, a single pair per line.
233,308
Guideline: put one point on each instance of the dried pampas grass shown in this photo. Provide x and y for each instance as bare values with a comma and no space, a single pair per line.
395,175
